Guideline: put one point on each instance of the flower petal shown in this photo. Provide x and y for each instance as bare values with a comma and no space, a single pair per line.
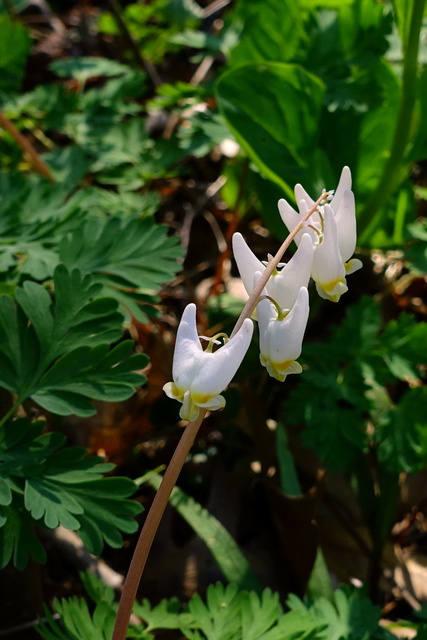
187,350
345,218
286,335
328,267
216,370
344,185
247,263
284,287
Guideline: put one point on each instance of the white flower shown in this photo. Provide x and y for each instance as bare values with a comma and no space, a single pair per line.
199,376
284,285
281,336
333,230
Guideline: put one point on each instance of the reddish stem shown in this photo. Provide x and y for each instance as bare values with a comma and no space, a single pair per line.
151,525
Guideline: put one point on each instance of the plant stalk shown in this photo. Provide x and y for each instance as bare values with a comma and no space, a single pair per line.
391,177
26,146
162,496
151,525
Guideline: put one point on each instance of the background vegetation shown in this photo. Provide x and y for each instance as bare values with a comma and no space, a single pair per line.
135,139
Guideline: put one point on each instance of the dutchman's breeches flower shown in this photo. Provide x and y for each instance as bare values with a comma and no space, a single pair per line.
200,376
281,335
333,230
284,285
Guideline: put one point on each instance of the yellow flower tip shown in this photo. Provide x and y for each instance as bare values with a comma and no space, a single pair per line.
280,370
200,399
352,265
173,392
334,287
332,290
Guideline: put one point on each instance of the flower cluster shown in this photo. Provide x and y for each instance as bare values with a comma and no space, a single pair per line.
326,240
333,231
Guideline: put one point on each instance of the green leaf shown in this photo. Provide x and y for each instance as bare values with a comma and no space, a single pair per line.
346,384
416,253
88,67
123,255
78,622
270,31
402,433
279,129
226,552
90,374
56,351
59,486
15,45
17,539
164,615
351,615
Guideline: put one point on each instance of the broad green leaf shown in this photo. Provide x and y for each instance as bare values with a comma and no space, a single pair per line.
273,110
15,44
224,549
270,31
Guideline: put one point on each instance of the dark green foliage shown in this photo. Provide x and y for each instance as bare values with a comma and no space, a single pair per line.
279,129
15,45
225,614
57,352
101,234
128,257
350,616
350,381
43,483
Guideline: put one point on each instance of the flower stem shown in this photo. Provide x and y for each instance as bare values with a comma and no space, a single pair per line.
151,525
162,496
392,172
253,299
26,146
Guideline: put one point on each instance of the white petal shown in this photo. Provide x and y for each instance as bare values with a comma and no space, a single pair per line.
284,287
353,265
216,370
345,218
247,263
286,335
344,184
301,194
328,266
333,294
187,350
265,314
189,411
289,216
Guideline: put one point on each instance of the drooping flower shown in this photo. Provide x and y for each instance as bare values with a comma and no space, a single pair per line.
284,285
200,376
333,231
281,335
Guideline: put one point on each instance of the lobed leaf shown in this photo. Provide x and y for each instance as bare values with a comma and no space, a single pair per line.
52,486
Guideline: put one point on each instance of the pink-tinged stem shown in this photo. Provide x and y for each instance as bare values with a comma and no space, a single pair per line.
151,525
